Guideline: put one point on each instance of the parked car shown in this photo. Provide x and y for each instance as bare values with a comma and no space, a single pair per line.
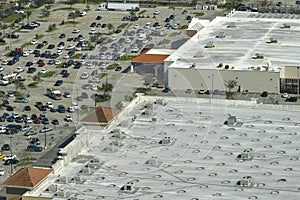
58,83
35,148
9,157
291,99
20,100
5,147
46,129
2,172
264,94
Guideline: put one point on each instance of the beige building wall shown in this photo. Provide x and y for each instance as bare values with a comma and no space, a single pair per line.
193,78
290,72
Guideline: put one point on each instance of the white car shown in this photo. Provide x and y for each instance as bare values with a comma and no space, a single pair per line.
68,118
285,95
19,69
84,75
19,11
70,109
2,172
89,65
82,13
59,51
9,157
57,62
25,54
30,51
75,105
49,104
1,69
95,80
92,31
76,30
34,41
46,129
136,26
4,62
156,12
94,88
28,120
70,47
66,56
43,71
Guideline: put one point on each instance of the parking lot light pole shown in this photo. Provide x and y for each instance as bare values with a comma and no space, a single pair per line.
10,143
212,85
45,134
298,81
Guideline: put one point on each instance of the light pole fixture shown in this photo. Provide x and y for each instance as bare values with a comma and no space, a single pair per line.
298,82
212,86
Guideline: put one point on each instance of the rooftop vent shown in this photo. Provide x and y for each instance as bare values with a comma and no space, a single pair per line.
244,156
221,35
60,193
153,162
272,41
231,121
53,188
258,56
210,45
62,180
128,188
245,182
165,141
286,26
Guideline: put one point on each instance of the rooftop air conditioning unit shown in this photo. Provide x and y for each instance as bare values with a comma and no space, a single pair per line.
127,188
77,178
153,162
53,188
165,141
245,182
245,156
60,193
63,179
210,45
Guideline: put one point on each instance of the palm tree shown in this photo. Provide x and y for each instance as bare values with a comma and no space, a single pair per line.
110,27
28,14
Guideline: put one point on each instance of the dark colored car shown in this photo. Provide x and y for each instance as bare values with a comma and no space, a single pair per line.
61,109
55,122
58,83
9,108
31,70
264,94
10,162
29,64
27,108
34,148
291,99
62,35
5,147
98,17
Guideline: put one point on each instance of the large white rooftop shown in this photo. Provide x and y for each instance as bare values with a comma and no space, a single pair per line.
245,35
183,150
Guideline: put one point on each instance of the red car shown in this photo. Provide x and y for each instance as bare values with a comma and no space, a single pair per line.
37,121
40,63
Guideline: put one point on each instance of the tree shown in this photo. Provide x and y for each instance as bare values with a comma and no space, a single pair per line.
110,27
230,84
107,87
3,27
19,85
28,14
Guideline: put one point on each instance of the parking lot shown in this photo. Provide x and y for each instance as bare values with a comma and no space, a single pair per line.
70,60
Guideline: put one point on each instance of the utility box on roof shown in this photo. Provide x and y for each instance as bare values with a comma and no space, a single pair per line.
231,120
